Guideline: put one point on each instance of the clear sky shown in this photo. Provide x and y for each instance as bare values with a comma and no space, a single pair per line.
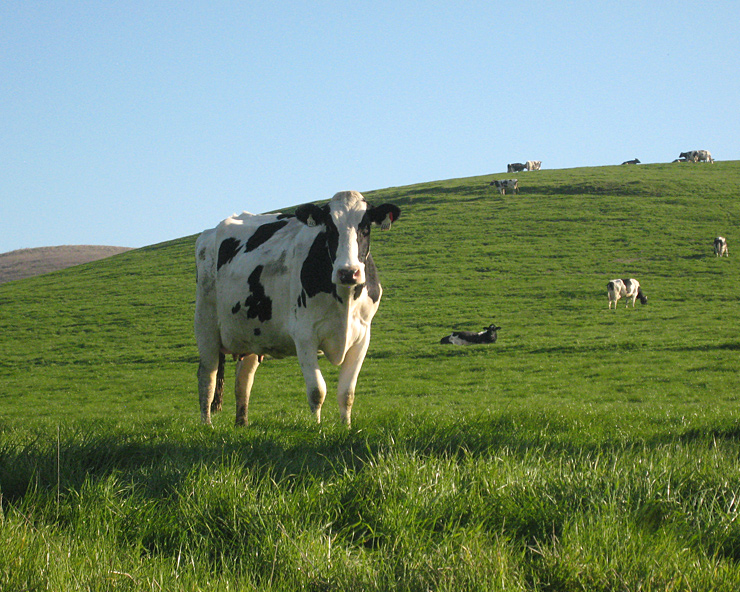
130,123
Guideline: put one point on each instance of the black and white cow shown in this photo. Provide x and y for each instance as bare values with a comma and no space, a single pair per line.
288,286
630,288
488,335
633,161
504,184
533,165
720,247
697,156
516,167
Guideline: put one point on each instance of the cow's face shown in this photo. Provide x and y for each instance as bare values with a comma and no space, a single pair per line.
347,220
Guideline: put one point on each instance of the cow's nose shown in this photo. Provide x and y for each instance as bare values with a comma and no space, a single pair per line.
348,276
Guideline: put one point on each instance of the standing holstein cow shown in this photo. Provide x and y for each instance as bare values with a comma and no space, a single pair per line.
288,286
720,247
697,156
504,184
629,289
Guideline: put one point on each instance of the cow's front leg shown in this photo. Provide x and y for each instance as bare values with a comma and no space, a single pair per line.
315,385
245,369
348,374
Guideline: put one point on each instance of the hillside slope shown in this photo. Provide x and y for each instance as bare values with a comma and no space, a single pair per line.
25,263
119,330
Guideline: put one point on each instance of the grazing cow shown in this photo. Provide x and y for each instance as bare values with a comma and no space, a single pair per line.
633,161
488,335
504,184
288,286
720,247
630,288
697,156
516,167
533,165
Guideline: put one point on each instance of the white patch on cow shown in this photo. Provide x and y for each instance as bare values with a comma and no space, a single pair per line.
347,210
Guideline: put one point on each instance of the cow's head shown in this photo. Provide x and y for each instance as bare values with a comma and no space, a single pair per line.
347,220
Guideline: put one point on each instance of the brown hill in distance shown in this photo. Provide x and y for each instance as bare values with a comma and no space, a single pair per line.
25,263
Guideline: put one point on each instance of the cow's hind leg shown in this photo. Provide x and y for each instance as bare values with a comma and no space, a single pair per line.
218,392
348,374
245,369
315,384
207,378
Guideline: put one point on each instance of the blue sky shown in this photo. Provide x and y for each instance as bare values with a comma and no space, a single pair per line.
130,123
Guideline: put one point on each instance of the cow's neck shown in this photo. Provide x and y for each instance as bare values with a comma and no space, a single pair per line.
349,298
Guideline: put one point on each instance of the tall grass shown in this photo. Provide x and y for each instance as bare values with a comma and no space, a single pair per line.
588,449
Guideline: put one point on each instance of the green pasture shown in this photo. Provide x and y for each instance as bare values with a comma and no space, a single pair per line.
589,449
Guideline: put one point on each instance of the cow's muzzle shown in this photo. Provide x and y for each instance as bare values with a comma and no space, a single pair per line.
349,276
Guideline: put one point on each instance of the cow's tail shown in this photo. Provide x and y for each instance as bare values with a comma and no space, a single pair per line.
218,394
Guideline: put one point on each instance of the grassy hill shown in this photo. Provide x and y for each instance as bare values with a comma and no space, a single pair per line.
588,449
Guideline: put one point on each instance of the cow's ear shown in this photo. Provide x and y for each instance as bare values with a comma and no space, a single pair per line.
385,215
311,214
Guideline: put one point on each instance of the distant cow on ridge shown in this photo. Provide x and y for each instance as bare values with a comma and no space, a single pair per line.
633,161
697,156
516,167
288,286
629,289
533,165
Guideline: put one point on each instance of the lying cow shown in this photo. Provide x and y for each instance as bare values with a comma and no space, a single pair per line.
633,161
288,286
516,167
630,288
533,165
488,335
720,247
697,156
504,184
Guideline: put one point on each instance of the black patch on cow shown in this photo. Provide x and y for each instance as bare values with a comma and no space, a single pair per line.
363,237
263,234
317,267
236,308
227,251
372,283
302,299
258,304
